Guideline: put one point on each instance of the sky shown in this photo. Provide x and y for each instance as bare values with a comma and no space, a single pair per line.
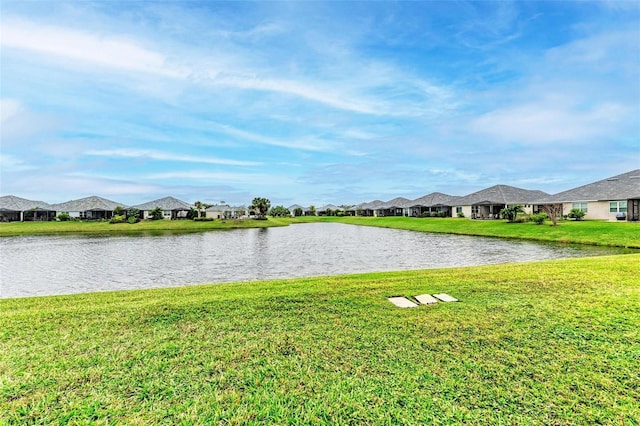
314,102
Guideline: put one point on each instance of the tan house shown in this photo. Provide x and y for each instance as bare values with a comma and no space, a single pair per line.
172,208
614,198
90,208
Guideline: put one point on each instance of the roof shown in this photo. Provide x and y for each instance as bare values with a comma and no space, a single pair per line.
13,203
166,203
396,202
501,194
371,205
621,187
435,199
86,204
328,207
295,206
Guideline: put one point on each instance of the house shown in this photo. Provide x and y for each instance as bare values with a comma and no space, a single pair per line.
487,203
435,203
614,198
225,211
172,208
328,210
292,209
16,209
395,207
365,209
92,208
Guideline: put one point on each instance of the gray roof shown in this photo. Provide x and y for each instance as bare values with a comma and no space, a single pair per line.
399,202
371,205
87,204
17,204
435,199
621,187
295,206
166,203
501,194
328,207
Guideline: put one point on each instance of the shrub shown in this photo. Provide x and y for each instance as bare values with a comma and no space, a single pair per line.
576,214
539,218
426,214
460,214
133,219
156,214
63,216
118,219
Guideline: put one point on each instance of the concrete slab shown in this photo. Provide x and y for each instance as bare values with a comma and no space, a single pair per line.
402,302
426,299
445,297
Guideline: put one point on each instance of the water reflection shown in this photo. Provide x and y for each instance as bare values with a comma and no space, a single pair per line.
47,265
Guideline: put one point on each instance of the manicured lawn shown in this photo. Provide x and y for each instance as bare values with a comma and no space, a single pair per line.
147,226
538,343
620,234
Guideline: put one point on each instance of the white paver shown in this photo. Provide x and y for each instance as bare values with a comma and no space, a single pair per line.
445,297
402,302
426,299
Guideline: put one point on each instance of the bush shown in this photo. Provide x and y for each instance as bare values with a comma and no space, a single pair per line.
576,214
63,216
426,214
539,218
133,219
118,219
460,214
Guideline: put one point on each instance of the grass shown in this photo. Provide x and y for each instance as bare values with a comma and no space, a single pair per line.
554,342
615,234
147,226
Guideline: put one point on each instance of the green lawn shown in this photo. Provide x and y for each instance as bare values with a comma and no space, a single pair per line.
620,234
538,343
147,226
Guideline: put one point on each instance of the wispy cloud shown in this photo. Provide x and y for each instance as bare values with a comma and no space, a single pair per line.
166,156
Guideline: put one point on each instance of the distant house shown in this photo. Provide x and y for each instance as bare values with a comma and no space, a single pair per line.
487,203
614,198
91,208
172,208
327,210
292,209
395,207
16,209
224,211
435,203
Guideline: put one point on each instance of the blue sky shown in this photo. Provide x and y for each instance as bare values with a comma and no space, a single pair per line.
314,102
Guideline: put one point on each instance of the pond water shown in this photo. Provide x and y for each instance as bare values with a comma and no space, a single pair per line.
51,265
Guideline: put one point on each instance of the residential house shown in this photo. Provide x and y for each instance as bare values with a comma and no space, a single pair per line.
395,207
487,203
614,198
16,209
225,211
435,203
91,208
172,208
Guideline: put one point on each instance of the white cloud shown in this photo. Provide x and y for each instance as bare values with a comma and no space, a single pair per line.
105,50
9,163
254,179
164,156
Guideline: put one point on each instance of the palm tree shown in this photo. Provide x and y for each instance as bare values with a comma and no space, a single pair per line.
198,206
261,205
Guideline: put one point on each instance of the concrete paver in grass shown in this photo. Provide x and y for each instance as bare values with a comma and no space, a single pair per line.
402,302
445,297
426,299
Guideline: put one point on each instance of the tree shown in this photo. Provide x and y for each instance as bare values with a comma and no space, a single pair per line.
279,211
63,216
156,214
511,212
261,206
198,206
312,209
133,215
576,214
119,211
297,212
553,211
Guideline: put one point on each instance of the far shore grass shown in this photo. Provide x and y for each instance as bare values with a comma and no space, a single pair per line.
555,342
615,234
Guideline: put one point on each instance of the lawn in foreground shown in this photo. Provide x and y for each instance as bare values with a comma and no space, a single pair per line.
539,343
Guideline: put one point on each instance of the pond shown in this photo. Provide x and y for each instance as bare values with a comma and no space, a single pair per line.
52,265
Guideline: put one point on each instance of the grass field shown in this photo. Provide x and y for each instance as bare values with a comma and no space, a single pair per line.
620,234
539,343
147,226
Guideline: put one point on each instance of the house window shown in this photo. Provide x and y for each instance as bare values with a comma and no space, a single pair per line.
617,207
458,210
582,206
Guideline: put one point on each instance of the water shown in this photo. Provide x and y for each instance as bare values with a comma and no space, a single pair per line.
50,265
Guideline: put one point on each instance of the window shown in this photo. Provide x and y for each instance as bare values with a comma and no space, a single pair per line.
617,207
458,210
582,206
